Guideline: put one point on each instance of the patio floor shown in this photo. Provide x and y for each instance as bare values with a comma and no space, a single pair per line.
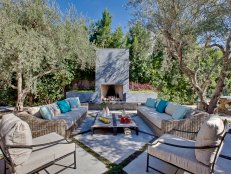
88,164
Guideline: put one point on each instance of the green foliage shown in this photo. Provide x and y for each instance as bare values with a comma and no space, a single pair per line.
8,97
101,32
52,87
37,41
139,42
173,85
102,36
191,32
117,38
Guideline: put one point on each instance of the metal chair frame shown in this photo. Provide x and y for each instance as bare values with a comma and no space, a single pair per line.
8,160
189,147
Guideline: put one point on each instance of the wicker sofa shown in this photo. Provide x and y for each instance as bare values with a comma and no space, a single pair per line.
62,124
162,123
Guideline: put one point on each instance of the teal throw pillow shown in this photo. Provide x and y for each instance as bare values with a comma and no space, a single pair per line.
74,102
46,113
150,103
64,106
161,106
180,113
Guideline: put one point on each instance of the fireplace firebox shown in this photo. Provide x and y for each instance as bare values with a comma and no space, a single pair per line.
112,92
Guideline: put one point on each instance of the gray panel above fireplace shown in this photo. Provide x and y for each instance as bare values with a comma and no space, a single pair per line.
112,67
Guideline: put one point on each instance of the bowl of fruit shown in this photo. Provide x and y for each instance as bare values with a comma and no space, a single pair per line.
125,120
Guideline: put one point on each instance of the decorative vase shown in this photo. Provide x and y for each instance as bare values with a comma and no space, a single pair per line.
104,112
107,111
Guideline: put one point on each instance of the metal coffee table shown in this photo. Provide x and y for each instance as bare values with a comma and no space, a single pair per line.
114,125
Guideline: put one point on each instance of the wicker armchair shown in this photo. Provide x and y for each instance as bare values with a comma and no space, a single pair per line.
41,127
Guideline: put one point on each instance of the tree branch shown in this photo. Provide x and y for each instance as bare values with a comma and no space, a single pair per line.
196,73
13,86
42,74
179,52
227,47
217,45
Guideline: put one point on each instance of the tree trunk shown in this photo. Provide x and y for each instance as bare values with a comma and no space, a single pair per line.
20,97
19,103
218,91
203,101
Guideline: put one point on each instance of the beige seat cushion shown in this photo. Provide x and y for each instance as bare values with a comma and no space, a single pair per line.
155,117
41,156
14,131
36,160
184,158
171,108
210,134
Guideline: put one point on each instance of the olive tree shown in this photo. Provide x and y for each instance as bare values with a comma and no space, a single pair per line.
189,31
35,41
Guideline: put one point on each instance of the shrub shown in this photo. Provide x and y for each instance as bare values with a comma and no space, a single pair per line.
134,86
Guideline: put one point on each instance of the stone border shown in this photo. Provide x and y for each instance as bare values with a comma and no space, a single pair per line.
130,97
114,106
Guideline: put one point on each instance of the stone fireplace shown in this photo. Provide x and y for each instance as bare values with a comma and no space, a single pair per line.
112,73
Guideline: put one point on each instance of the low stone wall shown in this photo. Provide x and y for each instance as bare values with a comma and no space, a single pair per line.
139,97
84,97
114,106
130,97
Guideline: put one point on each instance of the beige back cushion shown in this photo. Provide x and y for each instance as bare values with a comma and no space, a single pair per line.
54,108
35,111
14,131
171,108
210,134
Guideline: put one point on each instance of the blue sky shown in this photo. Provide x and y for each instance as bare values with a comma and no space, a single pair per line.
92,9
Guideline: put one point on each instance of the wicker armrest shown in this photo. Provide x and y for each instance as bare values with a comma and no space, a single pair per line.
41,127
190,132
186,128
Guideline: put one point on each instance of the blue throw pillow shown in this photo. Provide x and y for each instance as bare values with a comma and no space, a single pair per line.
150,103
74,102
64,106
161,106
179,113
46,113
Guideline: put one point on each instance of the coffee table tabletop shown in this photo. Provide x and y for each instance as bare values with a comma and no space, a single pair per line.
114,124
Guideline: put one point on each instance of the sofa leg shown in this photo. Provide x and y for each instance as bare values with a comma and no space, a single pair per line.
75,159
147,162
4,166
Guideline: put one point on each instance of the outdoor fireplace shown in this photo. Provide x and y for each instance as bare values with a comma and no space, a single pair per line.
112,74
112,92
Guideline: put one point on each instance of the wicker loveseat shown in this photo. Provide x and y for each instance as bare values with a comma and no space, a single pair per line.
63,124
162,123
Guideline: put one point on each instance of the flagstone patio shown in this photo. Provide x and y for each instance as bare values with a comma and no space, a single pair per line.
115,148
